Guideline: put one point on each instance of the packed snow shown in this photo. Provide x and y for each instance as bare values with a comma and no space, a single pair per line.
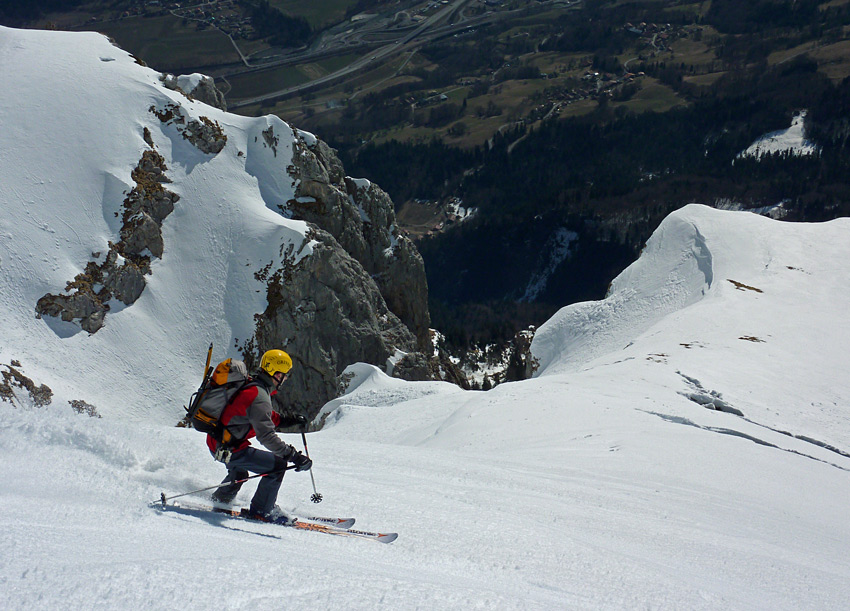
684,443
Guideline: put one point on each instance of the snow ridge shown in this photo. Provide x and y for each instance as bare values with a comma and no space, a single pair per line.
674,272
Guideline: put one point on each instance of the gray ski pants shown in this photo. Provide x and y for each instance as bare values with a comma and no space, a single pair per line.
255,461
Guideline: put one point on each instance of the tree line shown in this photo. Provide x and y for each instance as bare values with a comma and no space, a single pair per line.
19,12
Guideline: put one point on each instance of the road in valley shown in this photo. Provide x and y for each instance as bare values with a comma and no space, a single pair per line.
447,21
368,59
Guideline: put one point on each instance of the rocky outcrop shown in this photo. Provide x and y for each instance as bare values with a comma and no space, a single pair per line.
196,87
327,313
12,381
361,296
21,391
417,367
361,218
121,273
146,206
521,362
204,133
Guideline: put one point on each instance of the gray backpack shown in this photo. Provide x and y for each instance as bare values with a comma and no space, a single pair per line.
218,390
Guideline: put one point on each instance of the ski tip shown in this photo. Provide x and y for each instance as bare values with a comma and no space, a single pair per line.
388,537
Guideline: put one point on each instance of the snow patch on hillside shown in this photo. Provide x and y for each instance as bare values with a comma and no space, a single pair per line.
791,140
555,251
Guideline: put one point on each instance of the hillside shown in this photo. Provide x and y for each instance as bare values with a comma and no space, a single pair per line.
596,118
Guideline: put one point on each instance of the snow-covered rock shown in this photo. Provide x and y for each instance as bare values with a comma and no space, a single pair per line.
198,86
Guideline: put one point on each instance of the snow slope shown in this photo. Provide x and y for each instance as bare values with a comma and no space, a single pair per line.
72,115
753,310
609,481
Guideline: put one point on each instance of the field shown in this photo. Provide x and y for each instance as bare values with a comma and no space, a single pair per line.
704,80
318,13
833,59
256,83
652,97
168,45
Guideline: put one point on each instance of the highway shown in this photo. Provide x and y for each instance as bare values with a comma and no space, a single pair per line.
337,41
368,60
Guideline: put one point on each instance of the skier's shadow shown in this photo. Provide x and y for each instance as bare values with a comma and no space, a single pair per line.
212,519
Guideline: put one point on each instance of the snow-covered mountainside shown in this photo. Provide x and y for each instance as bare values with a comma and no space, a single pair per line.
685,443
141,224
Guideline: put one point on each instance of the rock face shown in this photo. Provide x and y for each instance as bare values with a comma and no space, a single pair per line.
327,313
206,91
361,296
121,275
360,216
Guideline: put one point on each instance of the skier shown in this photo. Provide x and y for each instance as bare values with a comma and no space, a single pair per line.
250,414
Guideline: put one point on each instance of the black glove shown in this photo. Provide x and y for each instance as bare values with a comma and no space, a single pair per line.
289,419
301,462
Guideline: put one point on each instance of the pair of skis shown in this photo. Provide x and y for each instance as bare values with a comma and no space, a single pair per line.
340,527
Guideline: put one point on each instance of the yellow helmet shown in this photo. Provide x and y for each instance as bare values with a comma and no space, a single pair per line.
274,361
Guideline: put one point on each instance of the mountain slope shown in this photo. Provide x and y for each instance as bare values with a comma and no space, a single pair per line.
53,162
140,224
610,480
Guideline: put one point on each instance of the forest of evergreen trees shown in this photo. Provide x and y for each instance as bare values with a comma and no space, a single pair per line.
19,12
736,17
280,29
611,178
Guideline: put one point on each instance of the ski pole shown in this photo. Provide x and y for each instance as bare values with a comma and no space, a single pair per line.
163,498
316,498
